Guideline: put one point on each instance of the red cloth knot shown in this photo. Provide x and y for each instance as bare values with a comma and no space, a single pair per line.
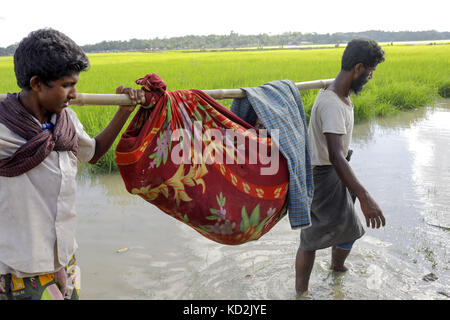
154,87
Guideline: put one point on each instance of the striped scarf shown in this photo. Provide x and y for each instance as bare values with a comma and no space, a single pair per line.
39,142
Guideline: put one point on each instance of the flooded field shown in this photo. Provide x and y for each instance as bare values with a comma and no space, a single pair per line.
128,249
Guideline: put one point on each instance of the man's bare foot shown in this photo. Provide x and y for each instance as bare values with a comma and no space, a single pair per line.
339,268
338,257
301,295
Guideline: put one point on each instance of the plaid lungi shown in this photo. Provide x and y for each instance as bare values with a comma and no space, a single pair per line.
333,215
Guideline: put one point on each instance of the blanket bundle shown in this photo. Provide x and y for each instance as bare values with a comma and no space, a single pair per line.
200,163
278,106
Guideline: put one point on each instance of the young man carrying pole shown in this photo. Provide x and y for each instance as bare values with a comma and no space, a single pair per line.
41,141
334,222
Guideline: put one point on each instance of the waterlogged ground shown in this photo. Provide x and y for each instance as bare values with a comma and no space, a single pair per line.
128,249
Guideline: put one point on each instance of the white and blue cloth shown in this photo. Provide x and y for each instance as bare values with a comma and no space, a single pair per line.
278,105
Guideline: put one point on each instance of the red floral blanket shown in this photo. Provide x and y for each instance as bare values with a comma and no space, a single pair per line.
201,164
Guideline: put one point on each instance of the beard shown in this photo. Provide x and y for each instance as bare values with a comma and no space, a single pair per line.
358,84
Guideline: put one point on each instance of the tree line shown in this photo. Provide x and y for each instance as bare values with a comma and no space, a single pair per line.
235,40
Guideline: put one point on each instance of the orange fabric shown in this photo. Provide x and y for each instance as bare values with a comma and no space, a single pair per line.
230,203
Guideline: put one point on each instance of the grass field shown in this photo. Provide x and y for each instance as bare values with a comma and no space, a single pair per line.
411,77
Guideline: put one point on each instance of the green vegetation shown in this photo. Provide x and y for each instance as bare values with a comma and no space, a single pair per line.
444,89
236,41
411,77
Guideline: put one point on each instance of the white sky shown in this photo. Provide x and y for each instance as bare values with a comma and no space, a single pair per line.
91,21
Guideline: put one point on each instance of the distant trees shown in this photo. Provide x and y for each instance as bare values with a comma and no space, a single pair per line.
235,40
8,51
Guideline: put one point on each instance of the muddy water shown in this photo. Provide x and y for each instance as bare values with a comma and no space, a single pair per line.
128,249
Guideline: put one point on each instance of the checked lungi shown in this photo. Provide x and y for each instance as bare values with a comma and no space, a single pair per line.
333,215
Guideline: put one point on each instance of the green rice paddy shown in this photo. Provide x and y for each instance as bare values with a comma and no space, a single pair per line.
411,77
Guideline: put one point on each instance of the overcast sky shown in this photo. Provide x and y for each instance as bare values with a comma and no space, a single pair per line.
91,21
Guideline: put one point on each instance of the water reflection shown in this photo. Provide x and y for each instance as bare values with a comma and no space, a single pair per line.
110,186
404,165
365,132
429,144
410,149
402,160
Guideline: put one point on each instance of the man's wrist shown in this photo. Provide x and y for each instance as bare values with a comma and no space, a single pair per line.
363,195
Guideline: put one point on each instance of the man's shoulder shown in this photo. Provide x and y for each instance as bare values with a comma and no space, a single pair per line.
71,113
325,99
327,95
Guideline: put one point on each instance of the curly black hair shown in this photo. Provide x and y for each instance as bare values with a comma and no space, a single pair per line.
48,54
362,50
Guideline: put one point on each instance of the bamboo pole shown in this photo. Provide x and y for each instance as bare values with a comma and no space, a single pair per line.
97,99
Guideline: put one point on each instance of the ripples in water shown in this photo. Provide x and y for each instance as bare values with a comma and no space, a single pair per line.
402,161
